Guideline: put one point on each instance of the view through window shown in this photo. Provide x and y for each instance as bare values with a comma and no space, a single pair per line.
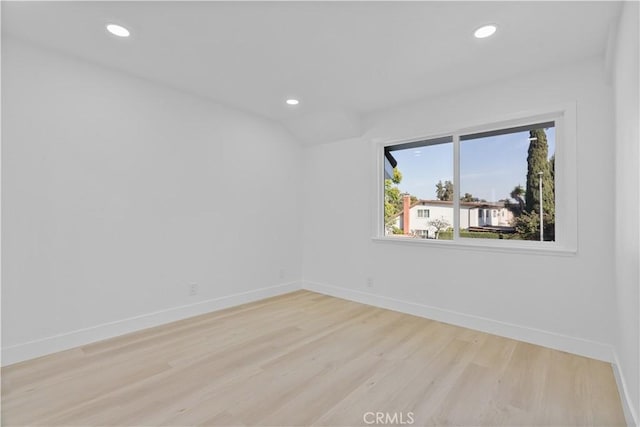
506,186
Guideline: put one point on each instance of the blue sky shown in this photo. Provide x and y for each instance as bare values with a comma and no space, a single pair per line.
489,167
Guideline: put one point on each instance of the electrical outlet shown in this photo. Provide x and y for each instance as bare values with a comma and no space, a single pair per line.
193,289
369,282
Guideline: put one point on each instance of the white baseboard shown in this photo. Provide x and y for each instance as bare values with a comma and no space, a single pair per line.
52,344
630,414
594,350
56,343
32,349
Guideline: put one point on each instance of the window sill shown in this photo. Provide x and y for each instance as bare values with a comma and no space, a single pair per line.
527,248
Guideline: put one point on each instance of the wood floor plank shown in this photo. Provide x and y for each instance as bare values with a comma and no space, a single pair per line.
309,359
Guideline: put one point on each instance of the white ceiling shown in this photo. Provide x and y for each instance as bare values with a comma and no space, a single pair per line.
341,59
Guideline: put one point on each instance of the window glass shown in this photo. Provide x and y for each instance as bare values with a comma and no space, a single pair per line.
418,193
506,181
502,170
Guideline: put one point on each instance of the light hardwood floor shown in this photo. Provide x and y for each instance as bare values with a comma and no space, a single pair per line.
308,359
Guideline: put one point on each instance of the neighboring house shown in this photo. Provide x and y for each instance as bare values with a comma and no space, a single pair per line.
472,214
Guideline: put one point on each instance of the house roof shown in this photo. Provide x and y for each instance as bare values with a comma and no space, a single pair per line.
465,204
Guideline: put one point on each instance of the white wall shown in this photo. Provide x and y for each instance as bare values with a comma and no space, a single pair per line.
435,212
627,203
118,193
564,302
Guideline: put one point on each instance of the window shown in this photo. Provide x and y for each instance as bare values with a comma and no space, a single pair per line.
503,168
423,233
496,182
433,158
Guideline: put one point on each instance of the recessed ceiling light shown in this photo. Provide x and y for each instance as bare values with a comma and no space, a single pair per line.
118,30
293,101
485,31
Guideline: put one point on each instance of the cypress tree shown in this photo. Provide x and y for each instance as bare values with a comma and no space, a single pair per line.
537,161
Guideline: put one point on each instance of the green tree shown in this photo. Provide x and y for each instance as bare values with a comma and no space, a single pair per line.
440,190
552,169
527,226
516,194
440,225
393,198
392,201
397,176
537,161
444,191
468,197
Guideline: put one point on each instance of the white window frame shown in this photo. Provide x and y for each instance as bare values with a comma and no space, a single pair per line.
566,233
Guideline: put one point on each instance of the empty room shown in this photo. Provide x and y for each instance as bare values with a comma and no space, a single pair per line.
320,213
